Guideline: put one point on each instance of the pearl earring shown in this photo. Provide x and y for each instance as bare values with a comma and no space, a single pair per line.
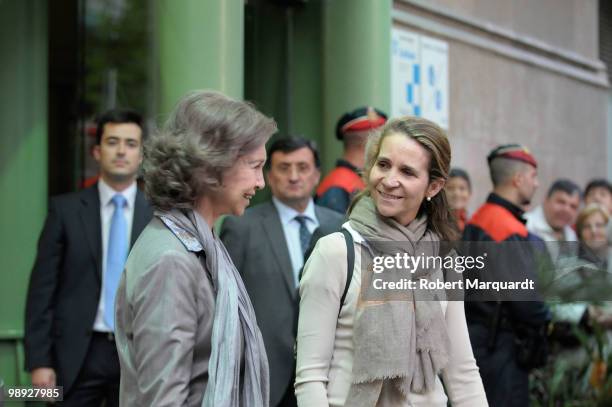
428,199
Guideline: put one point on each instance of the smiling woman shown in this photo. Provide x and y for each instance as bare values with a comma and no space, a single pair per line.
387,353
185,327
406,168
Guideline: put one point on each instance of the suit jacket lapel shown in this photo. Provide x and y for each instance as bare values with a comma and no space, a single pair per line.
90,216
274,231
142,215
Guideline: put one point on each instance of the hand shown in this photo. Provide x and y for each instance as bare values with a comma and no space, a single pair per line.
43,377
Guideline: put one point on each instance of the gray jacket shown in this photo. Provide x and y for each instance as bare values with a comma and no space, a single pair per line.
165,308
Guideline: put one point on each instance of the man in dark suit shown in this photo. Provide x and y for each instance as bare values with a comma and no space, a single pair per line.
69,322
267,245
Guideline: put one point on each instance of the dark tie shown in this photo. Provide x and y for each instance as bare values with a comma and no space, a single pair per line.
304,233
115,259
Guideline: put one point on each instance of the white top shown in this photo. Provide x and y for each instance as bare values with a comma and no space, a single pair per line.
291,230
325,339
538,225
107,208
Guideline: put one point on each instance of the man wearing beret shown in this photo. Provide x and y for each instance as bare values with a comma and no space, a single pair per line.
340,185
507,335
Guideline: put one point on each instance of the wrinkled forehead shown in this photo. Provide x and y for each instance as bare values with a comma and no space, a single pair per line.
302,155
404,150
564,197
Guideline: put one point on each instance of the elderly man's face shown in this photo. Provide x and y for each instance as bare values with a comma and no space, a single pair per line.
293,176
560,209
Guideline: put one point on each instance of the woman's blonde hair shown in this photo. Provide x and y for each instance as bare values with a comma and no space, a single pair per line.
586,212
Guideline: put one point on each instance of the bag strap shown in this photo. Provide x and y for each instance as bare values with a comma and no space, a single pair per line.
350,261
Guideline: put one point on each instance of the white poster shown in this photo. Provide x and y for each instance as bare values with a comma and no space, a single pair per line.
419,76
434,88
405,74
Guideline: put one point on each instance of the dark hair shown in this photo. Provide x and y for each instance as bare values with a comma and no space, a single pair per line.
291,144
597,183
460,173
564,185
117,116
433,139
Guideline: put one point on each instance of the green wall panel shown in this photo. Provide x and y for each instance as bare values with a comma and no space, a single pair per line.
23,167
199,45
356,62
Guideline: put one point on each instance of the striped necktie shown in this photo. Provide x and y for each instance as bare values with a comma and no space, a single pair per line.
304,233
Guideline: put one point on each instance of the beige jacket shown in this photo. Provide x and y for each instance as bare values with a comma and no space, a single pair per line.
325,339
165,308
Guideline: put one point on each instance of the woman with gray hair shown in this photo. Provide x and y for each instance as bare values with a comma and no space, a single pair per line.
185,327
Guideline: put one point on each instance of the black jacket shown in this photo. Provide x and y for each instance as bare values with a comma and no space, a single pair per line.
257,246
494,325
65,284
499,221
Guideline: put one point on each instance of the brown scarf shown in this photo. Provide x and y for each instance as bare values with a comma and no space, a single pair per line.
405,342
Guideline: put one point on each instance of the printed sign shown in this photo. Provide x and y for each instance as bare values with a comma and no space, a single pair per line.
419,76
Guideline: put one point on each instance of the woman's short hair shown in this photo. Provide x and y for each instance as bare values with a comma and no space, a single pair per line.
203,138
433,139
586,212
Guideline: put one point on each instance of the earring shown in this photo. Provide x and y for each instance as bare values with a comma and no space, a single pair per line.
428,199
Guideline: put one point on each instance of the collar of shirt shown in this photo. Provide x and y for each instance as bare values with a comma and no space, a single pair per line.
344,163
537,223
107,192
288,214
515,210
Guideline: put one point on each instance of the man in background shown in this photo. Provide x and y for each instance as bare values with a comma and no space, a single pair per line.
599,191
267,246
552,221
82,249
495,327
340,185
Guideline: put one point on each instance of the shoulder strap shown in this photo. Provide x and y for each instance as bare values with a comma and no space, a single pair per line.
350,261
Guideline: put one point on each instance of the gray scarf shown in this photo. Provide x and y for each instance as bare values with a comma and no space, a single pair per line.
400,341
234,326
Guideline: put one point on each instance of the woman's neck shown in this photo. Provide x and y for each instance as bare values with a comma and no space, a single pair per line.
205,209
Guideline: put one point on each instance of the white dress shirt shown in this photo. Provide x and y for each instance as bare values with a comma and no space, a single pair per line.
107,208
538,225
291,229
